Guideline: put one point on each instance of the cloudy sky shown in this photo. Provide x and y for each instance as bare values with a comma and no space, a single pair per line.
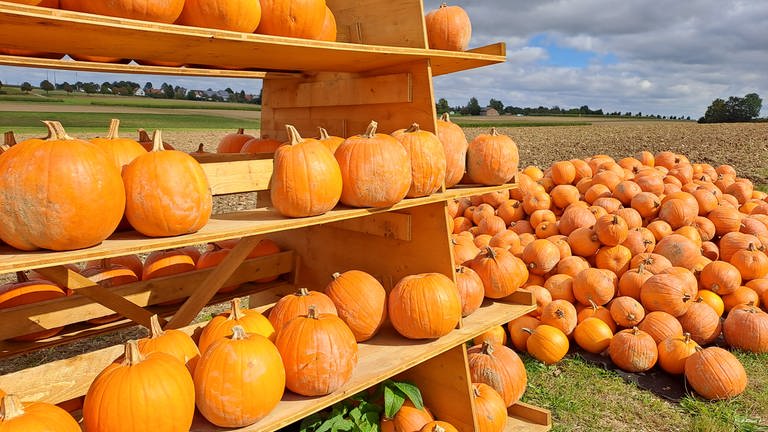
653,56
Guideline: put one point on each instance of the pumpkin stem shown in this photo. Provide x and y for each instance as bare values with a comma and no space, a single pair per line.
686,297
686,337
200,148
10,407
236,313
476,391
302,292
459,269
9,139
240,131
438,428
635,330
593,305
323,133
114,126
293,135
238,333
527,330
414,128
494,132
336,275
312,312
21,277
132,353
56,130
371,131
560,313
157,141
615,220
641,268
487,348
156,330
445,117
143,135
443,4
490,252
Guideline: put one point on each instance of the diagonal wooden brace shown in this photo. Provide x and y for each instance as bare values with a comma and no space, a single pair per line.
215,280
86,287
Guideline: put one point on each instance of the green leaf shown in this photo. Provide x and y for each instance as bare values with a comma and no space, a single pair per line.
393,400
413,393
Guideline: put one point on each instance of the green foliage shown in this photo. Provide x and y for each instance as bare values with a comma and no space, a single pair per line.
442,106
473,107
46,86
26,87
497,105
735,109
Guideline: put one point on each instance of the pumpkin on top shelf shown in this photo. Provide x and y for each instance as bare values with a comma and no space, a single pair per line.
294,18
166,11
233,15
448,28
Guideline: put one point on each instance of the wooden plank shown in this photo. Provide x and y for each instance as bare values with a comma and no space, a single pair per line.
384,356
445,384
41,29
373,22
65,277
213,282
212,158
220,227
134,68
381,89
392,225
26,319
239,176
526,417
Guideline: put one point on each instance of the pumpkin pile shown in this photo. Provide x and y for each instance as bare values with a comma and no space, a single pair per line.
640,257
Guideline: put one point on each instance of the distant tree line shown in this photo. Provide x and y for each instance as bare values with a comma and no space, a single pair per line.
473,108
735,109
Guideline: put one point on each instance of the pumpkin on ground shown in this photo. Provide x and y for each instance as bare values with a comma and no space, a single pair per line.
424,306
674,351
499,367
167,193
746,328
715,373
547,344
448,28
360,300
633,350
155,388
82,207
319,353
16,416
306,179
593,335
239,379
427,160
170,341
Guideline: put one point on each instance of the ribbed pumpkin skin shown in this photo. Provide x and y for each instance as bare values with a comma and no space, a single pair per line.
424,306
746,328
715,373
427,160
492,159
661,325
297,304
239,380
361,301
666,293
674,351
375,170
167,194
292,18
306,179
633,350
108,276
448,28
16,416
501,272
29,291
157,390
319,353
235,15
132,261
490,409
163,11
221,325
120,150
455,146
471,290
64,194
702,322
171,341
499,367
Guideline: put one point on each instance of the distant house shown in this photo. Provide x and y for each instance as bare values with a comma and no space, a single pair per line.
488,111
140,92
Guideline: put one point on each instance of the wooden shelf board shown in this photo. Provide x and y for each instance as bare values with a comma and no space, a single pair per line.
528,418
20,28
220,227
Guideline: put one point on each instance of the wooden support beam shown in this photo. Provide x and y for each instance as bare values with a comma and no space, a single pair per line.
215,280
82,285
394,226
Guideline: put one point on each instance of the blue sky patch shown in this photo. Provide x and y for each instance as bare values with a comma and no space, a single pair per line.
562,56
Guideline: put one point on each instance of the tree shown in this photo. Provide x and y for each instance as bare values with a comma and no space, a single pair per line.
26,87
497,105
106,88
68,88
147,87
91,88
473,107
46,86
754,105
1,84
735,109
442,106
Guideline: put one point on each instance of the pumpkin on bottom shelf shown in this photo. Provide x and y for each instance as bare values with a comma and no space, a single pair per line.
25,291
171,341
499,367
490,409
408,418
319,353
424,306
239,379
361,301
156,389
34,416
109,275
715,373
221,325
438,426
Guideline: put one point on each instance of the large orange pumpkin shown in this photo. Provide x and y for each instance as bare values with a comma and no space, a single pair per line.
499,367
221,325
490,409
231,142
306,179
455,147
674,351
448,28
16,416
64,193
546,344
593,335
746,328
239,379
235,15
319,352
361,301
171,341
428,162
292,18
715,373
25,291
297,304
121,150
501,272
424,306
633,350
375,169
164,11
167,192
156,389
492,158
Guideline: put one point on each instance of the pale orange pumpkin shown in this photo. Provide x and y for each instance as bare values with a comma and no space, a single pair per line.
427,157
455,146
360,300
448,28
292,18
492,158
432,297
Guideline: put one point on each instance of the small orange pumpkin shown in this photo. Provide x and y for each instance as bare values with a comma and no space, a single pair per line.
34,416
361,301
432,297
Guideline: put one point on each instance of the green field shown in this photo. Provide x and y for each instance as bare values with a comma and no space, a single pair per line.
89,122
